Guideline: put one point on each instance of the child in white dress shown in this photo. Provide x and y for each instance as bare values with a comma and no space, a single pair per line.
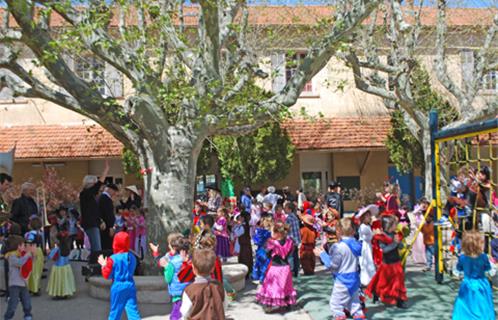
367,265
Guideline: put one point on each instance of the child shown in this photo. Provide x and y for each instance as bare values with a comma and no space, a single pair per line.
175,287
19,269
367,266
61,281
418,249
279,214
342,259
277,291
34,238
204,240
388,282
164,260
221,232
131,226
308,241
205,297
120,268
260,239
119,222
475,299
245,254
141,232
428,232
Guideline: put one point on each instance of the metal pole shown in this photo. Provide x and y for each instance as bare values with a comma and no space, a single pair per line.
433,124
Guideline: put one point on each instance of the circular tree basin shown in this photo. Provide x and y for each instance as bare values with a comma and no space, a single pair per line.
153,289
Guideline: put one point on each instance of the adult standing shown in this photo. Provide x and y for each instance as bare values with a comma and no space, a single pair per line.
132,198
287,195
301,198
90,218
261,195
5,184
214,200
272,197
106,213
333,199
295,234
24,206
246,200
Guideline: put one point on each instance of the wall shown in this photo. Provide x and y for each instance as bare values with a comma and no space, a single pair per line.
72,171
374,172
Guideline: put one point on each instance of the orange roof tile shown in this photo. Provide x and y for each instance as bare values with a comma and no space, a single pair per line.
55,142
339,133
307,15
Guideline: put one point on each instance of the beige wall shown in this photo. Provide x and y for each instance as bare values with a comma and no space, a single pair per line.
73,171
374,172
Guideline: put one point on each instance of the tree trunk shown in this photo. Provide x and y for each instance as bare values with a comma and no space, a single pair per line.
169,188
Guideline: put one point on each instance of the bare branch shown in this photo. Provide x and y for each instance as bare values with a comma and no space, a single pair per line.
321,52
440,63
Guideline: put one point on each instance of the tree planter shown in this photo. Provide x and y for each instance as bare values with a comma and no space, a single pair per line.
153,289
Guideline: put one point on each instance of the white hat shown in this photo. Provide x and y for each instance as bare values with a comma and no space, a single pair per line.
133,189
271,189
374,210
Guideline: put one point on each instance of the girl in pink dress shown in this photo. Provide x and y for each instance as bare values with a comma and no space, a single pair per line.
418,250
221,233
141,232
131,226
277,291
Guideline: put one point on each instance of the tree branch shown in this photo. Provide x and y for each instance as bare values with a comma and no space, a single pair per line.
320,53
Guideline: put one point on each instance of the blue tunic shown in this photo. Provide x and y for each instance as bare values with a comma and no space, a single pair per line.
261,260
475,299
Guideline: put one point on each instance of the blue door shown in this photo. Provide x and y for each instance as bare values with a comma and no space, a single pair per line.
411,186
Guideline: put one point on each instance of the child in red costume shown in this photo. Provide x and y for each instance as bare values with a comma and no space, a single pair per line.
120,268
388,284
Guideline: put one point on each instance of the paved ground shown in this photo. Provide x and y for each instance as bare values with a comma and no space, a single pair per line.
427,300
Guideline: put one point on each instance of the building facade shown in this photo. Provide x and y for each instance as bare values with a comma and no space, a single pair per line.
343,140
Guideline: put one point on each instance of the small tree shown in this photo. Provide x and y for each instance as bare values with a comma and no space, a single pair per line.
265,155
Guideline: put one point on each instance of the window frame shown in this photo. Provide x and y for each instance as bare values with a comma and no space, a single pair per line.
295,58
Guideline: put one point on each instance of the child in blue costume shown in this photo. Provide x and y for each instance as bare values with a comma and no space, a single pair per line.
181,247
260,239
120,268
475,299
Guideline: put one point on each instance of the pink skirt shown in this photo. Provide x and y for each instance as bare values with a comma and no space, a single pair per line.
277,289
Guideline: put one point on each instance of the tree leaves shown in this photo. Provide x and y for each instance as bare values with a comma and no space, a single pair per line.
404,149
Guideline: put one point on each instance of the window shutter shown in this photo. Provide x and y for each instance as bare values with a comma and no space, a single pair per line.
467,59
113,82
278,70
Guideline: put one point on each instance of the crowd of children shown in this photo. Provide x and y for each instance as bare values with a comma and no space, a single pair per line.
275,238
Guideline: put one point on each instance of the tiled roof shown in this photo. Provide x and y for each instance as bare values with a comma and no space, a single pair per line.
339,133
55,142
306,15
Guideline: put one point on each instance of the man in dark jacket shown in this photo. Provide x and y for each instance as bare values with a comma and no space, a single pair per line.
24,206
90,217
334,198
106,213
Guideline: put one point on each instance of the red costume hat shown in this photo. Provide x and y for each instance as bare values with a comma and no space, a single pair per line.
121,243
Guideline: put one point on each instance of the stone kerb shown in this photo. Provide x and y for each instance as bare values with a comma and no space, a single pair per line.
153,289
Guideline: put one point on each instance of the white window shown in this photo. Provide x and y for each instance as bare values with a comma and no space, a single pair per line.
104,77
490,81
292,63
283,67
92,71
